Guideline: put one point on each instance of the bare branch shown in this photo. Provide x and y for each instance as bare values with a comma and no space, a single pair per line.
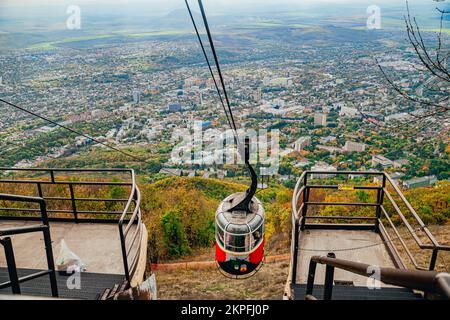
404,94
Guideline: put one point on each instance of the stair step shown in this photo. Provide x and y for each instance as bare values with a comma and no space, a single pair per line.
341,292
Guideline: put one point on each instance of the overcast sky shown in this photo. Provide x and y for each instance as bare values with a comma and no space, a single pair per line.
30,8
164,4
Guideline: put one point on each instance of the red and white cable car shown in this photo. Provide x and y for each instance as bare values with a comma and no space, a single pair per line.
239,237
240,217
240,230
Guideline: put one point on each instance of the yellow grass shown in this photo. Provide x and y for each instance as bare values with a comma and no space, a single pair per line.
268,283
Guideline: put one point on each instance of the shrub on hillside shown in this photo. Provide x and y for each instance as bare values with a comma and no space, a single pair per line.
174,234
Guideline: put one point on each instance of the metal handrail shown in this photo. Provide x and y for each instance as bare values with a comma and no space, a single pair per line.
426,281
136,218
434,246
71,184
443,283
15,281
127,218
411,209
295,220
300,209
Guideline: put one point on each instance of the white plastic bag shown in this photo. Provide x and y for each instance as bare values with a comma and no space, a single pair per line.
68,261
153,289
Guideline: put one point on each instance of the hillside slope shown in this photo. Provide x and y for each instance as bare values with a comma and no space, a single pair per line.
179,214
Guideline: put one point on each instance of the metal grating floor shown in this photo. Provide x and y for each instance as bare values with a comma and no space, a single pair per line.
92,284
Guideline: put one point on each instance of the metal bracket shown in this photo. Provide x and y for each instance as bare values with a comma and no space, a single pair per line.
244,205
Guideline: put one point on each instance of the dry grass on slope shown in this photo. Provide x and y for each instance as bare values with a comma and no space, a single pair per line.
267,284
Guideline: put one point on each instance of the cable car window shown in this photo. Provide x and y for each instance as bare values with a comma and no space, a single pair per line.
237,243
221,220
258,236
219,235
256,223
239,229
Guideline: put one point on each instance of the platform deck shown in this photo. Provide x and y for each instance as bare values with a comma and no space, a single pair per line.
371,250
98,246
91,284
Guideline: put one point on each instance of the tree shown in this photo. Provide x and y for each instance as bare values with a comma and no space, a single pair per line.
174,234
362,196
433,70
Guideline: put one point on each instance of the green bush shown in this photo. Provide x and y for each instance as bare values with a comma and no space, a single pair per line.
174,234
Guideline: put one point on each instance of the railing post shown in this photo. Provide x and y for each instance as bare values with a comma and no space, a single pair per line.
49,250
50,262
295,253
11,264
124,253
40,193
74,205
433,260
311,278
44,214
329,279
380,201
305,202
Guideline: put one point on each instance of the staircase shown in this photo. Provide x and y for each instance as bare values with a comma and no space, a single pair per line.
91,284
369,237
347,292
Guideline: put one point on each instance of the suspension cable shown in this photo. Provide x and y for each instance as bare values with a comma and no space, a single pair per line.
213,49
209,64
80,134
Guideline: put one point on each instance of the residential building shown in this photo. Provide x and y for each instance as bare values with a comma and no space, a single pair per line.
351,146
348,112
400,163
301,143
322,166
420,182
381,160
320,119
174,107
329,149
328,139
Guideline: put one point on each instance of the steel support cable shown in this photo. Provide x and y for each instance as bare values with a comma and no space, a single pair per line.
145,161
209,64
78,133
374,244
216,59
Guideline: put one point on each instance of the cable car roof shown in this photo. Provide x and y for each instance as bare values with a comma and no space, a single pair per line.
239,221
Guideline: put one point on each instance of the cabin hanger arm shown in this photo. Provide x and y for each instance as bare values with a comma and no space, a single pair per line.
245,204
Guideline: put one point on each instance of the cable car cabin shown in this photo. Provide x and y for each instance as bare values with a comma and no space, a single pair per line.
239,236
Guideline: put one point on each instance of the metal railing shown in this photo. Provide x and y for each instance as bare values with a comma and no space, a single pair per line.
127,216
5,240
384,188
72,202
425,281
131,250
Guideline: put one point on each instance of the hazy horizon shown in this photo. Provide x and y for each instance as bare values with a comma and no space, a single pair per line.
158,7
45,20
